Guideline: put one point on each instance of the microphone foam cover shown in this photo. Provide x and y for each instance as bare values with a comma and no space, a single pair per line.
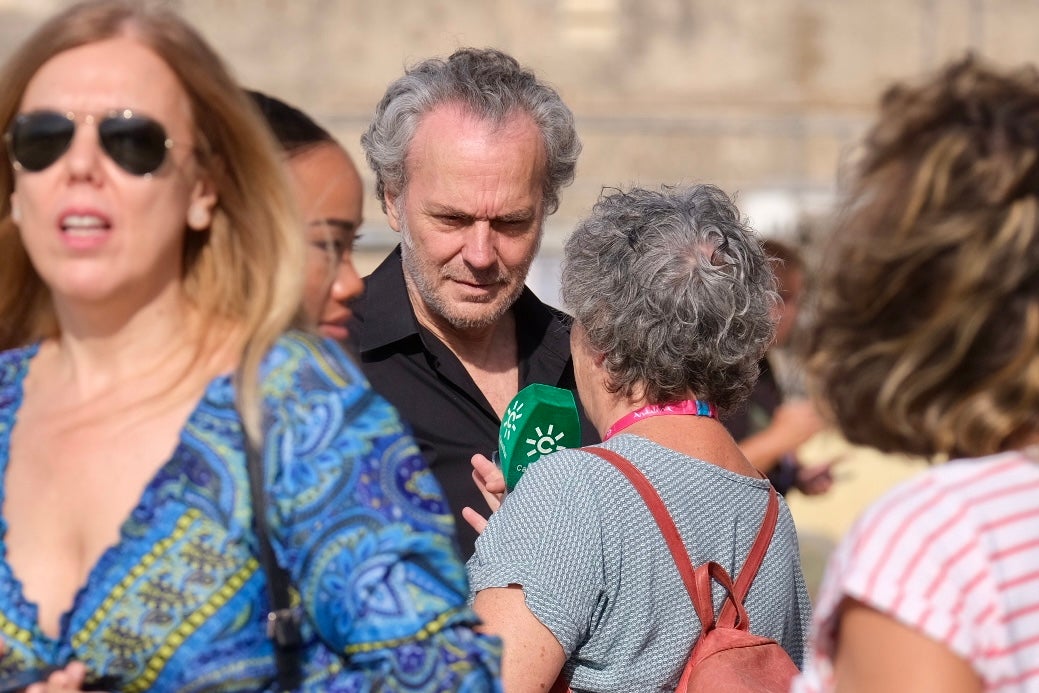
540,419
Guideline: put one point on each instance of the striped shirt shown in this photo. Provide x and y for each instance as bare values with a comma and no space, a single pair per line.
953,554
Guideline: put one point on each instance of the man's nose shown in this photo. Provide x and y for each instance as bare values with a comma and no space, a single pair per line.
480,250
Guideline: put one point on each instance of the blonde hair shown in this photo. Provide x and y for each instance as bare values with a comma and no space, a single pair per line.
245,271
927,340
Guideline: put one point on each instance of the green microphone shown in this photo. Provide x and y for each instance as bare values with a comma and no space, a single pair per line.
540,419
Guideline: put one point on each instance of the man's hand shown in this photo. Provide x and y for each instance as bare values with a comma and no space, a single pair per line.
491,482
816,479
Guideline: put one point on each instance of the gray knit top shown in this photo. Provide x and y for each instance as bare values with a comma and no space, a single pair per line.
596,571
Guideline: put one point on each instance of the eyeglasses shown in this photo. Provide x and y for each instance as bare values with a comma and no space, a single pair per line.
136,143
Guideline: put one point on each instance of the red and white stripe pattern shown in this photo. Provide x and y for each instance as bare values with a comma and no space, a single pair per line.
954,554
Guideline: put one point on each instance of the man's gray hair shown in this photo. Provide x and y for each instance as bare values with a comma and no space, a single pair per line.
490,85
675,290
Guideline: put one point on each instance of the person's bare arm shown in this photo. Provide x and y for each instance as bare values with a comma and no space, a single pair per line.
792,424
531,656
876,653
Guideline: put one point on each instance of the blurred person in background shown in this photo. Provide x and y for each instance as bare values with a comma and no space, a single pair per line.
672,300
927,343
469,155
330,197
771,426
152,274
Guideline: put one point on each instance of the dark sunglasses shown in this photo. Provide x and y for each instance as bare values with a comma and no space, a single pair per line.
136,143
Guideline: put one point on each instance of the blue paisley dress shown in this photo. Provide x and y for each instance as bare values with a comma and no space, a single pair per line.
179,602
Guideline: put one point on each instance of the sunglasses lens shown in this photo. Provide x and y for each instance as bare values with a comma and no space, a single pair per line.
39,139
136,143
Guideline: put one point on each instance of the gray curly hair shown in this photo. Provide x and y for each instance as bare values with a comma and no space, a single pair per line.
487,83
675,290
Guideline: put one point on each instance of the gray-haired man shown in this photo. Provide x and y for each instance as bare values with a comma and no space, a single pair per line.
469,155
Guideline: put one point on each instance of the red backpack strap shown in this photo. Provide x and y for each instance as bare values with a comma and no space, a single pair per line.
749,571
733,614
698,581
700,594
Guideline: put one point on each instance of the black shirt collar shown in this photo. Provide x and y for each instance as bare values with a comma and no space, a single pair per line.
543,333
388,316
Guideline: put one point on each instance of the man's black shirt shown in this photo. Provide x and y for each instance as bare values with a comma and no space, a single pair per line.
449,416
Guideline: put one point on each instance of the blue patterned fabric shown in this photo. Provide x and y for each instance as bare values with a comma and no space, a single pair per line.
179,603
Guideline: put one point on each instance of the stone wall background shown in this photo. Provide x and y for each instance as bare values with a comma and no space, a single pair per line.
763,97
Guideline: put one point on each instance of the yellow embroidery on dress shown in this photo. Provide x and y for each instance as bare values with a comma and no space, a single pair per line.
12,631
431,628
324,364
119,591
195,620
14,660
218,679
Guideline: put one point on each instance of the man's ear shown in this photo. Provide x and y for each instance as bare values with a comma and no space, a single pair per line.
391,210
203,201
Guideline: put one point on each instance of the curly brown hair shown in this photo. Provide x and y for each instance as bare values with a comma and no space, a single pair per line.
927,338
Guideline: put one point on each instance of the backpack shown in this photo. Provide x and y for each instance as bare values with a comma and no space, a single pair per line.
727,657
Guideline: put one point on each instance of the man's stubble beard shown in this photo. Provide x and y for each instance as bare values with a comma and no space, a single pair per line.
424,283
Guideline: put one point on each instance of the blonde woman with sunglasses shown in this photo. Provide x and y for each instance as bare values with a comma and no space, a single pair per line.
152,273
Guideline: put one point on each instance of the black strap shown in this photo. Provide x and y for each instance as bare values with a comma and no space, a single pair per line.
283,621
